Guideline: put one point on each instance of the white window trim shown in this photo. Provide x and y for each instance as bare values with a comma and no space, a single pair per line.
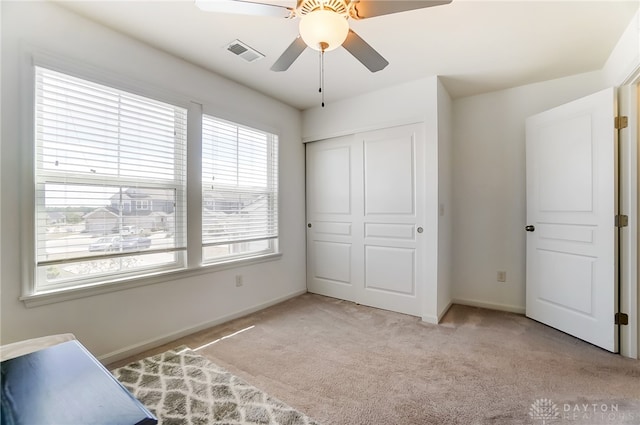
194,267
51,297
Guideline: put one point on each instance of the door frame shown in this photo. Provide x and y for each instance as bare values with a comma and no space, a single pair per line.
629,183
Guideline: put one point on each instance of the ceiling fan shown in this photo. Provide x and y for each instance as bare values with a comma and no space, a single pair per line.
323,24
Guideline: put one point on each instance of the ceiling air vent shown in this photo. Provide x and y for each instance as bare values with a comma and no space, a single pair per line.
238,48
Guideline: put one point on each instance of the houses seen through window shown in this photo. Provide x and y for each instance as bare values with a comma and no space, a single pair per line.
100,151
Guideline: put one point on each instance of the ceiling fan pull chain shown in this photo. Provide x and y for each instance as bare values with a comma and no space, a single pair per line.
323,47
322,75
320,71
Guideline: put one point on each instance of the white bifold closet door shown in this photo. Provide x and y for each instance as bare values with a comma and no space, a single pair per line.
365,218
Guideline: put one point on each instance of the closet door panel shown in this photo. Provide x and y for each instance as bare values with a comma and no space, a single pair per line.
333,170
365,206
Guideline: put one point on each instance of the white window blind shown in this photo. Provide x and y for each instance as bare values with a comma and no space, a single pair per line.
110,182
240,190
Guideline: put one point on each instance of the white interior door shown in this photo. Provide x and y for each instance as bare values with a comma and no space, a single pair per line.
571,199
365,203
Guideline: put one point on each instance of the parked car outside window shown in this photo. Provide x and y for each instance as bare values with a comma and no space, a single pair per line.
119,243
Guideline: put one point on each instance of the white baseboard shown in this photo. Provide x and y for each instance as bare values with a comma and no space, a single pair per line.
490,306
444,311
436,319
430,319
132,350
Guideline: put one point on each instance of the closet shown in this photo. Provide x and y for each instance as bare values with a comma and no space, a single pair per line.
366,218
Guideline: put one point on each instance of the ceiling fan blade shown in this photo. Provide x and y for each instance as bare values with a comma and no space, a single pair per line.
292,52
362,51
370,8
242,7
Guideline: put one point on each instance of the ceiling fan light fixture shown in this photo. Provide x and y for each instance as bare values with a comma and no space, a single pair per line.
324,29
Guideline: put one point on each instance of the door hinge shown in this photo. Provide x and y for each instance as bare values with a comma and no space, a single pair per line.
621,122
622,220
621,319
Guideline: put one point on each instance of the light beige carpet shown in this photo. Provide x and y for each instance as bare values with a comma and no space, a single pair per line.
342,363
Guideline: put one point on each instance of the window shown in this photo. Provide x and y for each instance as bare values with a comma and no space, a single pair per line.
100,152
239,191
110,187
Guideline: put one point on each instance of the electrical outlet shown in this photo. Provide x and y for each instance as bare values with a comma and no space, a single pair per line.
502,276
238,280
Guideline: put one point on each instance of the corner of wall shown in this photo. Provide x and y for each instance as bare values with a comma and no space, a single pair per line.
623,63
489,193
445,189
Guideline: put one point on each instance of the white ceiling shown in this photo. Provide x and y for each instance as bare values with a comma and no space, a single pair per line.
477,46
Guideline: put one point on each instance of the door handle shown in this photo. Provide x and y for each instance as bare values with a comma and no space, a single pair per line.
309,225
530,228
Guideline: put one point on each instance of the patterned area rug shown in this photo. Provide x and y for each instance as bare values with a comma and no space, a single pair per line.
182,387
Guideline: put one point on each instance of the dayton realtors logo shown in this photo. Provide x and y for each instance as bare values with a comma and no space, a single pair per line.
600,413
547,411
544,410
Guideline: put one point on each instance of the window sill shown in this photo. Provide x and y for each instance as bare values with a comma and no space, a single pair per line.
60,295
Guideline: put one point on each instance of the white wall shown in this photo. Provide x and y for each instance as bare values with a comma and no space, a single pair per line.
402,104
445,192
110,324
624,60
489,200
413,102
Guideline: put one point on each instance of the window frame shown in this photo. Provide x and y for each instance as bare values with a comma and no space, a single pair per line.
76,178
273,187
193,265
